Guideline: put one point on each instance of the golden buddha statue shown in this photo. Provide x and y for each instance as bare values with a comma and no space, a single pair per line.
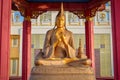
59,60
59,43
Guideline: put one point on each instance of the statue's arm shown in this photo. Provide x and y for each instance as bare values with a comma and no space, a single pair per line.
70,50
71,41
47,43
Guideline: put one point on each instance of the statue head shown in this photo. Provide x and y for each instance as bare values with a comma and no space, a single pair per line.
60,18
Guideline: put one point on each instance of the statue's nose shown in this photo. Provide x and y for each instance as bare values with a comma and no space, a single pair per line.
61,22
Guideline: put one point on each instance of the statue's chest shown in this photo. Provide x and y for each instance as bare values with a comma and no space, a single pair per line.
65,34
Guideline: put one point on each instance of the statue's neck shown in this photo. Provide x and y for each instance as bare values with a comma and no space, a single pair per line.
60,27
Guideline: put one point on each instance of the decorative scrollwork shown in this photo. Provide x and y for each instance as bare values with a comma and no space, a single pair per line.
35,14
27,18
86,13
80,14
93,11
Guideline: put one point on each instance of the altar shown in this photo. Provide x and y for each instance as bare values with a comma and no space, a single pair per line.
59,69
63,72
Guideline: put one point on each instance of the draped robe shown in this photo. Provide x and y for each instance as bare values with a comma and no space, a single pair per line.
60,51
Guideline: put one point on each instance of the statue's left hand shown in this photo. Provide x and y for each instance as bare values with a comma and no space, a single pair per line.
64,40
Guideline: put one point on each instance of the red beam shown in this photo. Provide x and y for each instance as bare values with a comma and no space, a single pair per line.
97,3
105,78
5,13
115,8
89,35
26,48
15,78
56,5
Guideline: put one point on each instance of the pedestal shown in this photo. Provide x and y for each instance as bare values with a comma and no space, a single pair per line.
63,72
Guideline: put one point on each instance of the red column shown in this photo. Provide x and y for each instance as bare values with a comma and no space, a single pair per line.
5,13
115,8
89,34
26,52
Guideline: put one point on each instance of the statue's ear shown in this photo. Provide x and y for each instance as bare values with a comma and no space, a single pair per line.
55,23
65,23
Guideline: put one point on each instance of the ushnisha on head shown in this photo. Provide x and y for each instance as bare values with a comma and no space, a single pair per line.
60,18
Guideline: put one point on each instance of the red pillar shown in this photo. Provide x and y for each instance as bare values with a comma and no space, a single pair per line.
5,13
26,52
89,34
115,8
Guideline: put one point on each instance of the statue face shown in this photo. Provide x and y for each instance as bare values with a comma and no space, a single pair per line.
60,21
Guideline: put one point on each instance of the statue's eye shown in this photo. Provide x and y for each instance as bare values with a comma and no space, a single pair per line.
62,19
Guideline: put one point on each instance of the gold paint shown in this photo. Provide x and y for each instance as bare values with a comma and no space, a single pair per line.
80,14
68,60
54,58
93,11
27,18
62,9
88,18
81,53
35,14
61,44
60,23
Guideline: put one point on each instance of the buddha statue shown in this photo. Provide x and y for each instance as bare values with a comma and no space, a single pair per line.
59,43
59,59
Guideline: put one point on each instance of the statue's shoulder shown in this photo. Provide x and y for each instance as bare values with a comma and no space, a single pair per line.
69,32
50,31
